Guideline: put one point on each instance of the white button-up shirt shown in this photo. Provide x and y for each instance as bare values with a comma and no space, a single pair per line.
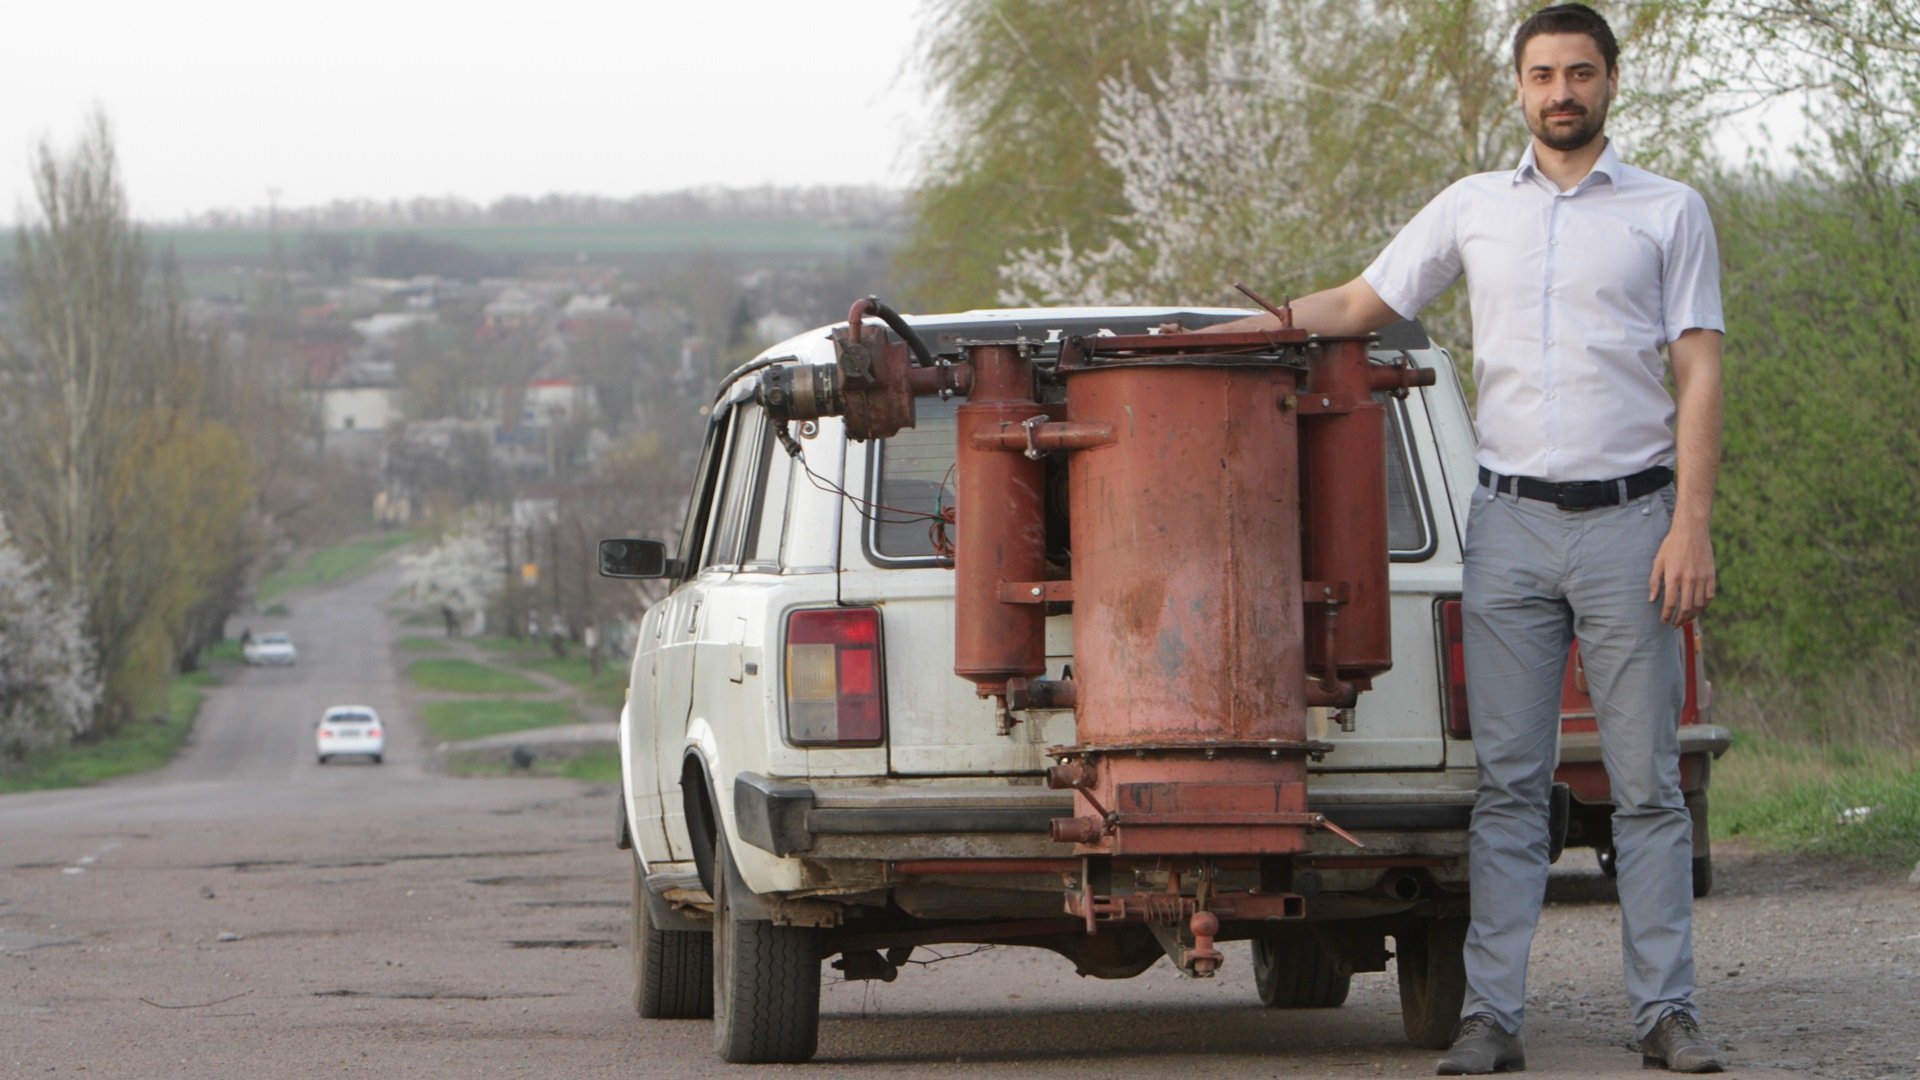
1574,295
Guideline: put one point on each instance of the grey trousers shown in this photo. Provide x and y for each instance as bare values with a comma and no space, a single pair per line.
1537,575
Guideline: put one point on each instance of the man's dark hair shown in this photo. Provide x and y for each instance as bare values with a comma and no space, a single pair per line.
1568,19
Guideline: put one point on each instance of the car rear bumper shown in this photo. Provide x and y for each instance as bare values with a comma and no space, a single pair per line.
1584,746
336,747
788,817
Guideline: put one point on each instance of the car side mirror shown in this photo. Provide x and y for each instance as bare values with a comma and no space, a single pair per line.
636,559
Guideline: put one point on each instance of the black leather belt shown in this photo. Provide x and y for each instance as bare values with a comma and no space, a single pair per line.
1579,494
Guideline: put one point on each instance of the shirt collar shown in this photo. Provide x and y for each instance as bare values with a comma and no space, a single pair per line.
1608,166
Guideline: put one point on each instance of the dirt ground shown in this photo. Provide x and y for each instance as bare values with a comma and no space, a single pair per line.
249,913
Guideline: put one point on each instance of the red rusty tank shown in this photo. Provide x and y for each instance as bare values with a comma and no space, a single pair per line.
1187,607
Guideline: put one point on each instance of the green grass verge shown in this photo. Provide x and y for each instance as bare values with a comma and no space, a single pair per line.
467,677
329,563
421,644
137,747
225,651
608,688
452,721
499,644
597,766
1839,799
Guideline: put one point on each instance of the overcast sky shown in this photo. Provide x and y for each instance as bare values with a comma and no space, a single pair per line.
219,104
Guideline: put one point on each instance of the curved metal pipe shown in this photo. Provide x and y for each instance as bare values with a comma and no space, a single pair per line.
885,314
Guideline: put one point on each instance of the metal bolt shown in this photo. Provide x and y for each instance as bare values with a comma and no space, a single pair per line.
1036,590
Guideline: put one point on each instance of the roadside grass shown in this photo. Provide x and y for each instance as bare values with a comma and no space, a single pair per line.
608,688
1838,776
466,677
600,765
501,644
224,651
1798,796
330,562
453,721
138,747
420,644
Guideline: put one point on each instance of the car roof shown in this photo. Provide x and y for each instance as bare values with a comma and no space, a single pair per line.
945,333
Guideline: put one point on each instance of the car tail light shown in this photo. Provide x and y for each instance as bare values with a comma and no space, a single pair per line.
326,733
1453,663
373,732
833,674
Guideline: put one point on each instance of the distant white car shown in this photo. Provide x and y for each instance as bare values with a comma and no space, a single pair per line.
271,648
350,729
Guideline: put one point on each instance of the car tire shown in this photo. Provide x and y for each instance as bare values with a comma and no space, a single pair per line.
323,759
1296,973
766,981
672,969
376,759
1433,979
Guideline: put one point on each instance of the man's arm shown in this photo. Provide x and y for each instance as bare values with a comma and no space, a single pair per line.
1344,310
1683,569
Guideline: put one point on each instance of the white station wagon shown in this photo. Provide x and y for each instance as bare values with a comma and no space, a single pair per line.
805,778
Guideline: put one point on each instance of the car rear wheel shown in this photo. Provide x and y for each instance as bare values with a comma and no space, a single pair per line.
672,969
1433,979
766,981
376,759
1296,973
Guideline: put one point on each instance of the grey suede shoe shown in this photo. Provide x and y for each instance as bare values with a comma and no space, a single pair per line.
1676,1043
1481,1045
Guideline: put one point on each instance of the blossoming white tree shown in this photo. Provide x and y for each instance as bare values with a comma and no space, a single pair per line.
1284,154
460,574
48,684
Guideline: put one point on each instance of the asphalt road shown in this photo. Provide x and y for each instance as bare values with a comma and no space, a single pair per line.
246,912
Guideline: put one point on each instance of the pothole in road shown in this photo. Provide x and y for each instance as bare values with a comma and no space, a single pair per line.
565,943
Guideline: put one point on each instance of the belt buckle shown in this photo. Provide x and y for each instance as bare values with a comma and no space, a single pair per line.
1584,494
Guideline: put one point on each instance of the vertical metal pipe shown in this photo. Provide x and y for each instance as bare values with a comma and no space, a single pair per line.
1344,491
1000,531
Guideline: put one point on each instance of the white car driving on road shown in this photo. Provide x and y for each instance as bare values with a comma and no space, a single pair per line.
270,648
350,729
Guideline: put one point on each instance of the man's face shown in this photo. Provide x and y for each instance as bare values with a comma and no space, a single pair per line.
1565,89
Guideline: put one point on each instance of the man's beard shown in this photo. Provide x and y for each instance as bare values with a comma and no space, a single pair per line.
1588,126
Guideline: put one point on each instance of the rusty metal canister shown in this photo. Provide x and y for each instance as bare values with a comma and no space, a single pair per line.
1187,609
1344,486
1001,528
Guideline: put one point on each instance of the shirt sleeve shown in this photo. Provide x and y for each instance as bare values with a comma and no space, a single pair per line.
1690,276
1422,261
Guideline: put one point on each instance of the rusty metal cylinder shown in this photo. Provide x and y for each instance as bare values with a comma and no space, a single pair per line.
1186,559
1344,485
1001,528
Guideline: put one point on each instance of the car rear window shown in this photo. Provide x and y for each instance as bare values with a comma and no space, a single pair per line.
350,718
912,478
